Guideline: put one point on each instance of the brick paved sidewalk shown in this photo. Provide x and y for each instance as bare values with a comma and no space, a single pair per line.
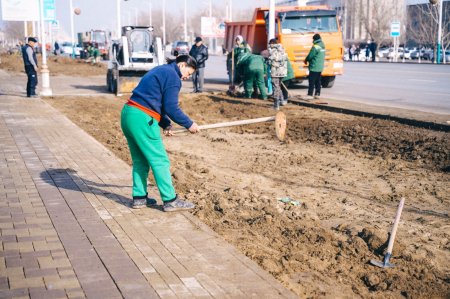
67,231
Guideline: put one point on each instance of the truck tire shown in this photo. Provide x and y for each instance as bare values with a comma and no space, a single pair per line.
109,81
114,86
328,82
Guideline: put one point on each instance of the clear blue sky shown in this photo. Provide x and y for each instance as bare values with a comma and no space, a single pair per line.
101,14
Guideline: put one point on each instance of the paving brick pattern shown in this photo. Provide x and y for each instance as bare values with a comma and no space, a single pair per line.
67,231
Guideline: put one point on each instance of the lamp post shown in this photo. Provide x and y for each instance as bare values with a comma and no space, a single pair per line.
272,19
45,74
185,21
439,42
164,24
119,29
150,13
72,38
231,11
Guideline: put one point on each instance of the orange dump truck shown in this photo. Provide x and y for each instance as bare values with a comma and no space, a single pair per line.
294,28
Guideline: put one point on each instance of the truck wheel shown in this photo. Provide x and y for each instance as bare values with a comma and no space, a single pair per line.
114,86
328,82
175,53
109,80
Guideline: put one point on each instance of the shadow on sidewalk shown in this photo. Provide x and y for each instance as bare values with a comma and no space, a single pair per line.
97,88
69,179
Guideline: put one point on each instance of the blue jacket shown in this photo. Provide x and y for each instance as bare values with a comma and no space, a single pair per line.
158,91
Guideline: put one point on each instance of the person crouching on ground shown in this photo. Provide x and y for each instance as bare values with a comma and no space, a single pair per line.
315,61
31,66
152,103
253,69
278,70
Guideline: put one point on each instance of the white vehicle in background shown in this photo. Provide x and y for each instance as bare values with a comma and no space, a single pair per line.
66,49
383,52
406,53
131,57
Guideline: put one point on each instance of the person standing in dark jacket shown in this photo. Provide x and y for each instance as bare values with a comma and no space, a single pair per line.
31,66
373,49
200,52
152,103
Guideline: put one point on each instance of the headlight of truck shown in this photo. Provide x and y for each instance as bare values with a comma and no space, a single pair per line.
338,65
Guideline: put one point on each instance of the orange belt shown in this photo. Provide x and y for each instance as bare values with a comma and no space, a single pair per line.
148,111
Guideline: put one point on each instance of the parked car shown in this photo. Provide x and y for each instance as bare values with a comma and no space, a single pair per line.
179,48
446,55
383,52
66,49
406,53
392,54
415,54
428,54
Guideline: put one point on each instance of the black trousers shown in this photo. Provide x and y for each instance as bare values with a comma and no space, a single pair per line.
32,80
314,83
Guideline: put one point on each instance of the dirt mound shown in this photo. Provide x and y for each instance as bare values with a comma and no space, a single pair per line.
342,173
378,137
58,65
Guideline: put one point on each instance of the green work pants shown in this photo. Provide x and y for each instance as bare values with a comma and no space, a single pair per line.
251,77
147,150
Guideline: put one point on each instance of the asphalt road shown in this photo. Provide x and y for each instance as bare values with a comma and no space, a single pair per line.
421,87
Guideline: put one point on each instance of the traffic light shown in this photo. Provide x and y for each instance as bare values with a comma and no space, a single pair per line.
433,2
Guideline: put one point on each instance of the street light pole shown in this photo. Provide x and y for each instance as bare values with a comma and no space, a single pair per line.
119,28
150,13
439,42
71,29
164,23
45,73
231,11
272,19
185,21
25,29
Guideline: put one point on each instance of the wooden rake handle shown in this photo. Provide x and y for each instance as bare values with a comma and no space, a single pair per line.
230,124
394,228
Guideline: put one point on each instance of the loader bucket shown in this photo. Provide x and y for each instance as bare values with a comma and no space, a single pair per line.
128,80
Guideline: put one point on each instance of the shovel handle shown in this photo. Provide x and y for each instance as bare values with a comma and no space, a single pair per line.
394,228
231,124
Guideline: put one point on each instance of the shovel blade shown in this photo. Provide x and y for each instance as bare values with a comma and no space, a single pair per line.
280,125
382,264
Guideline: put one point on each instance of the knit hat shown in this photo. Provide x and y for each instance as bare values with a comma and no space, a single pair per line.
316,37
32,39
198,39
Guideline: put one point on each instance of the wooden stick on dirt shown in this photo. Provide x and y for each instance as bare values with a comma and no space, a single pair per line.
280,124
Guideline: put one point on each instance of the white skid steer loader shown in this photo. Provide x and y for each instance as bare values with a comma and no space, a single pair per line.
137,52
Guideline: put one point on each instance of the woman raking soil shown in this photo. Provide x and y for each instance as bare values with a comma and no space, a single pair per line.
151,106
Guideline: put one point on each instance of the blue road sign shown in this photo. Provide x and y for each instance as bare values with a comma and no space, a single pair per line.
49,10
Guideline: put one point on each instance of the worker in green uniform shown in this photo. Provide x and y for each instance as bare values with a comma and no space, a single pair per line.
315,61
285,82
253,69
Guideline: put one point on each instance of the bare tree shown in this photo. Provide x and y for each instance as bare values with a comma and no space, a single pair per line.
378,17
13,30
423,22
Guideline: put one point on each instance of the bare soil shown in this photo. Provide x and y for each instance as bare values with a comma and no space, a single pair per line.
348,173
58,65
